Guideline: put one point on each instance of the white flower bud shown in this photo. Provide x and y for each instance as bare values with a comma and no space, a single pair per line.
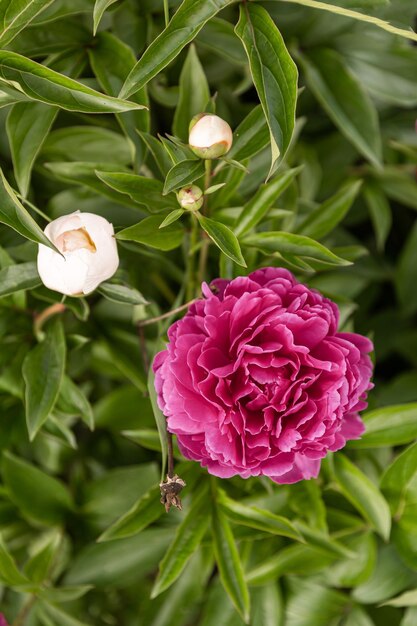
89,251
210,136
190,198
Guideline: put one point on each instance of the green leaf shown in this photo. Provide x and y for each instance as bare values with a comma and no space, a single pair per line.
388,426
295,559
59,616
187,539
160,420
370,19
186,23
358,617
363,494
287,243
64,594
224,239
112,60
15,15
121,294
389,577
146,510
85,173
99,9
45,85
255,517
28,124
219,35
311,604
172,217
148,232
85,143
17,277
144,191
397,477
14,214
344,100
229,564
322,220
194,94
398,185
268,606
409,598
118,563
182,174
274,75
251,136
38,567
73,401
406,274
39,496
380,211
43,371
9,574
213,188
255,210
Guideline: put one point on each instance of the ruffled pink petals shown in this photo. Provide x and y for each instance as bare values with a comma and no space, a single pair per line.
256,380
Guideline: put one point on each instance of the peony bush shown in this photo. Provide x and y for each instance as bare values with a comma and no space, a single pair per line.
208,385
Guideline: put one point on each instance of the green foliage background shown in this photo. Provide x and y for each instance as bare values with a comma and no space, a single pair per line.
84,539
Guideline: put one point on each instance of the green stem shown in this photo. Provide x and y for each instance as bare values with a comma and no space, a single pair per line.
33,207
166,13
202,264
191,277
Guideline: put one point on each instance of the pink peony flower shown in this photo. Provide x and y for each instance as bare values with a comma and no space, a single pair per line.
3,620
256,380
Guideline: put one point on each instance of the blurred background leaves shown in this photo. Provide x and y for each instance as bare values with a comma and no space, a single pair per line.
84,539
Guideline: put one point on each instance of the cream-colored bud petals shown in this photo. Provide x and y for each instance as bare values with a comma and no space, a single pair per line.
190,198
88,254
210,132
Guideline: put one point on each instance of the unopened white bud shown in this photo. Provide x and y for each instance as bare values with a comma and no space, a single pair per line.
210,136
89,254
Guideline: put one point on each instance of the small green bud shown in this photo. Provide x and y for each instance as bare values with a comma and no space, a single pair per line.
190,198
210,136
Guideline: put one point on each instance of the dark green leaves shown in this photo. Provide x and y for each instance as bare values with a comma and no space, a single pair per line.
16,15
43,370
39,496
363,494
9,574
27,127
144,512
14,214
16,277
224,239
45,85
274,74
256,209
182,174
99,8
144,191
287,243
194,94
186,541
229,564
148,233
344,100
255,517
183,27
389,426
121,294
324,218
